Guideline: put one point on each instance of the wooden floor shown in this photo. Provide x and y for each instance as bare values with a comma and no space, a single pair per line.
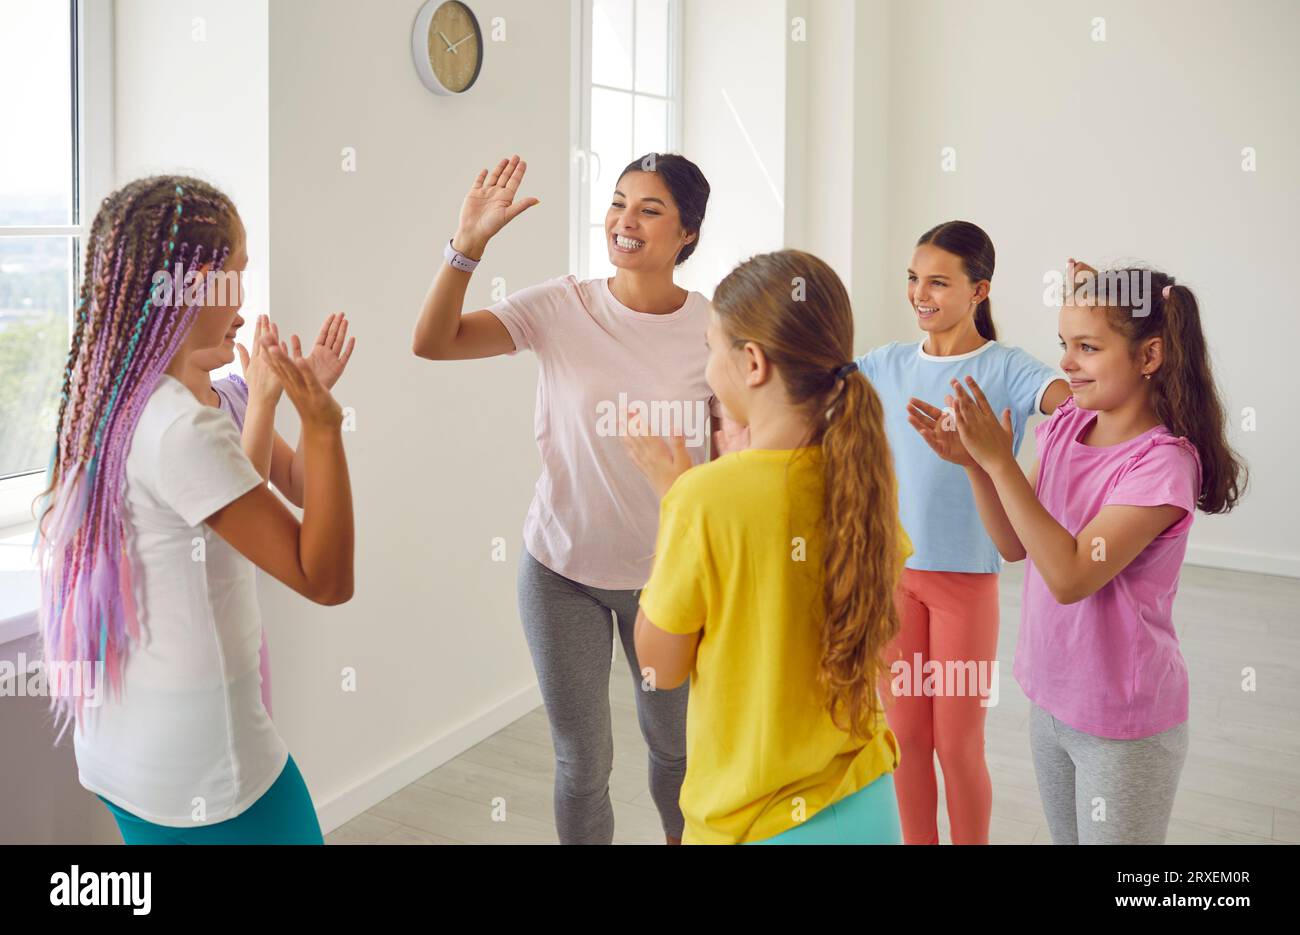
1240,785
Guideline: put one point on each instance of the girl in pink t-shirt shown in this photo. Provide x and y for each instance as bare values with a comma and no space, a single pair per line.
608,351
1103,519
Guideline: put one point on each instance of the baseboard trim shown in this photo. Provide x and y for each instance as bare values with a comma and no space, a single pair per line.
1240,560
369,792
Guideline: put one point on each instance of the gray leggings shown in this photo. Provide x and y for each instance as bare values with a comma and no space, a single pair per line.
570,636
1096,790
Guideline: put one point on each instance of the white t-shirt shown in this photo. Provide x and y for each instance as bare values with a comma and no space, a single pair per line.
189,735
594,516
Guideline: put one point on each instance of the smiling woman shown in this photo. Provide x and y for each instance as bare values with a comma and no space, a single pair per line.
659,201
590,531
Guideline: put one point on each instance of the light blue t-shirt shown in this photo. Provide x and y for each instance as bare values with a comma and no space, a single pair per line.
936,505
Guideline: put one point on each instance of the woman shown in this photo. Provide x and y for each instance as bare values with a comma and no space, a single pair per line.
606,347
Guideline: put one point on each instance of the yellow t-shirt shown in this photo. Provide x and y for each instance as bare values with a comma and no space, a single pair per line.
762,753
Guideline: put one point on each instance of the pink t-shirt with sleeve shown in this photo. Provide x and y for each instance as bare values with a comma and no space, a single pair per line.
1109,665
594,516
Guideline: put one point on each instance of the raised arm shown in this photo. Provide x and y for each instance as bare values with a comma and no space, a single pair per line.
442,331
314,558
1068,563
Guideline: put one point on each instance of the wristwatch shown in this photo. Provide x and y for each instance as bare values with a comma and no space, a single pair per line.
458,260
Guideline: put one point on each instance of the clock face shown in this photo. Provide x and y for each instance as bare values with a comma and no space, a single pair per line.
455,46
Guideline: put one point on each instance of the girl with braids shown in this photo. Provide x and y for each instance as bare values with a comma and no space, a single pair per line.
948,595
1103,519
152,526
774,574
250,402
589,535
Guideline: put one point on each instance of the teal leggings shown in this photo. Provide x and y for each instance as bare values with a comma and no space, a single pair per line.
283,815
868,816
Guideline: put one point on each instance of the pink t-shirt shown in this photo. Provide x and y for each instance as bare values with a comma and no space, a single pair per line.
594,516
1109,665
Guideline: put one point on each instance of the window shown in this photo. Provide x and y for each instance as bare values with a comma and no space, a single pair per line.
629,104
44,186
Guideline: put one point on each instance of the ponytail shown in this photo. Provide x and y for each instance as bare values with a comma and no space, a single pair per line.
1184,392
860,516
984,321
1187,401
807,339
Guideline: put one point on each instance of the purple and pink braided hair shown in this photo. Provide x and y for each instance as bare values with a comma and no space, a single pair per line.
125,335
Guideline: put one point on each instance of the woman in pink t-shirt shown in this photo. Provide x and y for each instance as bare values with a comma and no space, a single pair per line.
608,349
1103,519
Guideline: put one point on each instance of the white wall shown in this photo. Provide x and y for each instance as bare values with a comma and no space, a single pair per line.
809,79
190,99
837,173
1125,148
733,128
443,458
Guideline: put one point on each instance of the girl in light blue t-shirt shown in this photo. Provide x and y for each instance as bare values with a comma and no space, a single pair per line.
948,593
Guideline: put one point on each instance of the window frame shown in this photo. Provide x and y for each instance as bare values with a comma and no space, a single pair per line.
580,126
91,113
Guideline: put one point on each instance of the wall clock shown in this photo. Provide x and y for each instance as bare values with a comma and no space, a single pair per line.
447,46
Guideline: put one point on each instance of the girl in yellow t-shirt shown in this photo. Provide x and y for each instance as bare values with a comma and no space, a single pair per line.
774,572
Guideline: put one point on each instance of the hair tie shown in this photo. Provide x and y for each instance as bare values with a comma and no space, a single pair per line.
842,372
1164,293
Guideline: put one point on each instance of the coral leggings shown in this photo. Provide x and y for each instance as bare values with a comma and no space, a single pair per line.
946,616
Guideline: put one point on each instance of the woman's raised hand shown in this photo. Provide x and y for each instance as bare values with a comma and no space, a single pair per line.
317,409
490,205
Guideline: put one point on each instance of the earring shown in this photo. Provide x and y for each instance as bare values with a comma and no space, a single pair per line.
1146,376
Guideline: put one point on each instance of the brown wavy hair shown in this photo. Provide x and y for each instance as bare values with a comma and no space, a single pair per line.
794,306
1184,392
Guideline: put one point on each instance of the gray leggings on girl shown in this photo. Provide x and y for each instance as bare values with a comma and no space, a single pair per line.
1096,790
570,636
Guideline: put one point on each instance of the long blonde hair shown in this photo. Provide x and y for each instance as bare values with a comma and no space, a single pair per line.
795,307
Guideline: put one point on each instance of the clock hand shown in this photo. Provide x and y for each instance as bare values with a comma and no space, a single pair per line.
450,47
459,41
